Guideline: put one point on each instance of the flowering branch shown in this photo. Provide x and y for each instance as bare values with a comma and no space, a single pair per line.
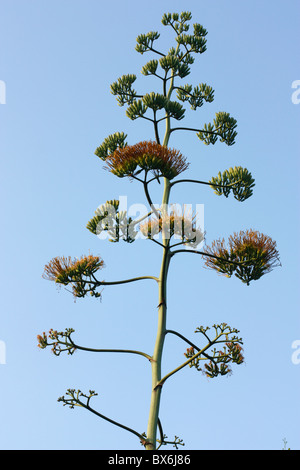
75,400
61,341
205,182
80,273
210,255
218,360
238,180
223,127
249,255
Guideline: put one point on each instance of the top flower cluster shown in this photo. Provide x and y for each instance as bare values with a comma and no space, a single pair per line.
148,156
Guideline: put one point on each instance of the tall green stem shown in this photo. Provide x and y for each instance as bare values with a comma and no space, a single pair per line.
157,354
162,312
161,332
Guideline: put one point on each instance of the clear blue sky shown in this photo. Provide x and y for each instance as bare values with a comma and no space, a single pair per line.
57,61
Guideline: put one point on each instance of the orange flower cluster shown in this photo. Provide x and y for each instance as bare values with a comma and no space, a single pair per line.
148,156
62,270
78,272
249,255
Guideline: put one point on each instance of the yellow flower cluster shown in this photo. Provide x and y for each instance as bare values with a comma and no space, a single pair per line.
77,272
249,255
65,269
181,225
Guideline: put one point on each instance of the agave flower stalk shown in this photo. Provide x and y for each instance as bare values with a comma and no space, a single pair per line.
248,254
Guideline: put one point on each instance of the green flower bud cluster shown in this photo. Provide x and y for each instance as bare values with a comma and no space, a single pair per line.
238,180
178,22
155,101
110,144
196,41
223,127
196,96
136,110
109,218
176,63
150,68
169,62
174,110
145,41
122,88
